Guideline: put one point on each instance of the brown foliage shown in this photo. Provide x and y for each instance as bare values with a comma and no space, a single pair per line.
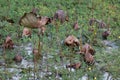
8,43
61,16
92,21
75,65
32,21
18,58
105,34
87,49
26,32
89,58
71,41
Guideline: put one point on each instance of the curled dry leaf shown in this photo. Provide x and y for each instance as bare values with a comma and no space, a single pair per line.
32,21
89,58
75,65
18,58
76,26
87,49
71,41
26,32
8,43
61,16
105,34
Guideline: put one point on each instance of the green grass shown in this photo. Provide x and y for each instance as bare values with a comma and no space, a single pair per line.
78,10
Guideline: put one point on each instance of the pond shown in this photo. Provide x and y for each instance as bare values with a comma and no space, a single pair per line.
47,68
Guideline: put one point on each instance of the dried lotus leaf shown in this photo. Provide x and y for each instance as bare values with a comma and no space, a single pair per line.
29,20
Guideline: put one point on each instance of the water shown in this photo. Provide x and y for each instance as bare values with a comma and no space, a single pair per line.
26,64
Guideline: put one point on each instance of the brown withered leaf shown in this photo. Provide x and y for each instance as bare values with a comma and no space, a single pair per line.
61,16
105,34
87,49
8,43
32,21
26,32
18,58
75,65
92,21
71,41
76,26
89,58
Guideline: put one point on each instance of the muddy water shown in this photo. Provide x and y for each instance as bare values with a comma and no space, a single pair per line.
19,69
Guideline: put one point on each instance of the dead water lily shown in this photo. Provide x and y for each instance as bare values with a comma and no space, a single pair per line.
26,32
75,65
76,26
61,16
8,43
87,49
71,41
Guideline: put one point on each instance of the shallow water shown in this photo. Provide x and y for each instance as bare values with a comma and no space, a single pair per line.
18,71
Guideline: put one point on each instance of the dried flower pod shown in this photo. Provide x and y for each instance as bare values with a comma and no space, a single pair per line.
71,41
92,21
75,65
26,32
60,15
87,49
89,58
76,26
8,43
18,58
102,24
105,34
